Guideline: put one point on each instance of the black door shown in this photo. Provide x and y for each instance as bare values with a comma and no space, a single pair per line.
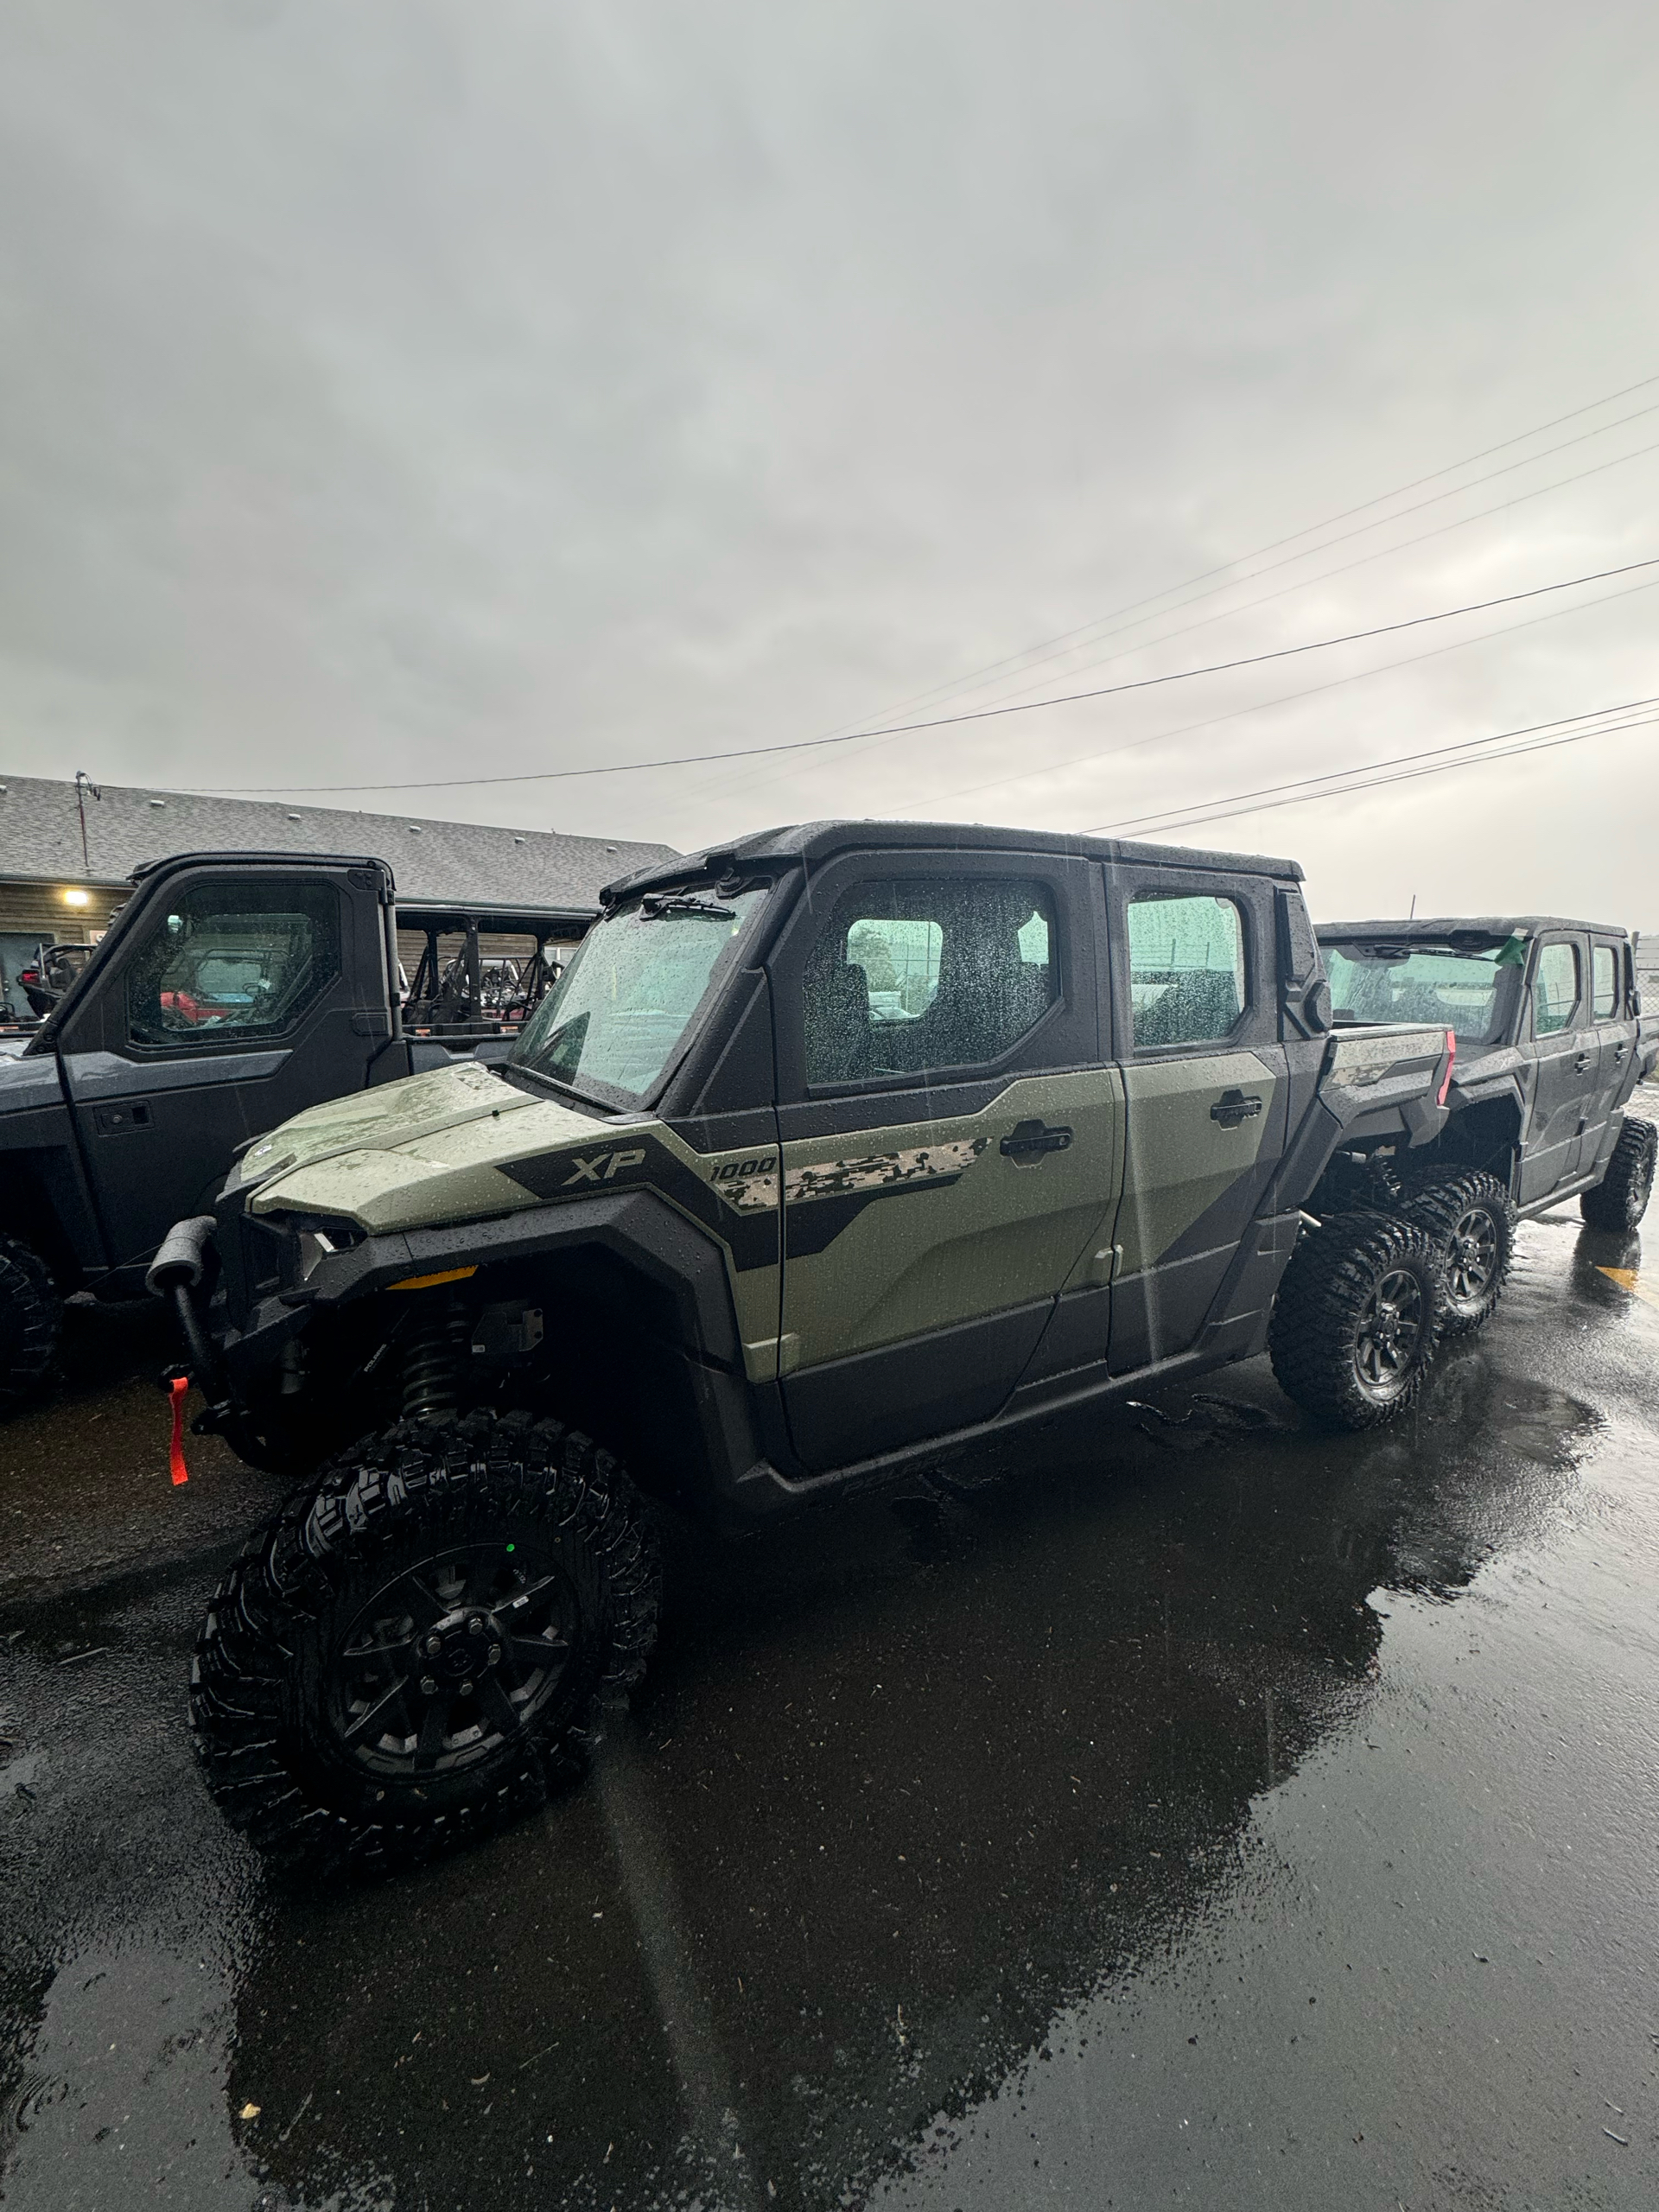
238,1000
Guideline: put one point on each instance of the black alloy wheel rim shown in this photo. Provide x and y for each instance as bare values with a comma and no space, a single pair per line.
1471,1258
451,1659
1390,1334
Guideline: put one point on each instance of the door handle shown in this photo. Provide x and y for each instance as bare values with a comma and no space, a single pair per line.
1027,1142
1581,1063
1620,1052
118,1121
1233,1107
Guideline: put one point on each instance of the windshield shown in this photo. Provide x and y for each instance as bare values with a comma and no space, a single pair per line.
627,1003
1465,990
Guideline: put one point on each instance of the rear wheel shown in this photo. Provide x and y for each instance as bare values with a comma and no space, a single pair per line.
1471,1219
416,1649
31,1323
1357,1319
1620,1199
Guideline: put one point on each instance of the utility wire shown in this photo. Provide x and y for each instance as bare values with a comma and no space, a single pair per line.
1166,816
1225,614
978,714
1289,698
1230,809
1377,525
1319,575
1052,647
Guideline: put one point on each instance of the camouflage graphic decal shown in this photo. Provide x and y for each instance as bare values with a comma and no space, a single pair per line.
750,1185
881,1171
1361,1061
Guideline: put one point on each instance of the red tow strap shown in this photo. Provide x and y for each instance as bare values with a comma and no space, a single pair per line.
178,1390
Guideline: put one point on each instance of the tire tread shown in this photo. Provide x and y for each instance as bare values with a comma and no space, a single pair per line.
430,1479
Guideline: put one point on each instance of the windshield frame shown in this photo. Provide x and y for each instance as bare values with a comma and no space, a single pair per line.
593,1090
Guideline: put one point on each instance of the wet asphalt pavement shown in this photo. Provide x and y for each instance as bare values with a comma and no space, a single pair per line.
1198,1810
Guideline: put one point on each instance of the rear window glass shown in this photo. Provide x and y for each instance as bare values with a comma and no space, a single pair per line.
1466,991
1187,968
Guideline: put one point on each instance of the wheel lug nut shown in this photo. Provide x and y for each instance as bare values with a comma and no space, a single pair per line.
428,1688
475,1626
494,1654
465,1690
435,1644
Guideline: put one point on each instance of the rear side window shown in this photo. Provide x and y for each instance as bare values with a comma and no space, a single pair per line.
924,972
233,961
1604,980
1187,983
1555,989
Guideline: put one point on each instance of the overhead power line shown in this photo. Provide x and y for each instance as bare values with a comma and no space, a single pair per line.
1323,575
1466,752
976,715
1054,647
1290,698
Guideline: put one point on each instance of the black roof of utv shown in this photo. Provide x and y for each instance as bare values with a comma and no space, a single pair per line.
1473,929
802,843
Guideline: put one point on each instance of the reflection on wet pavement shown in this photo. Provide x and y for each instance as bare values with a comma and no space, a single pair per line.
1188,1808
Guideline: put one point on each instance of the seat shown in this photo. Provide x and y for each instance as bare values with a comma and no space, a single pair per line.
1199,1006
839,1044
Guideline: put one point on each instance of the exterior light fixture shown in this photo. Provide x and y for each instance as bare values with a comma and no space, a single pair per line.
77,898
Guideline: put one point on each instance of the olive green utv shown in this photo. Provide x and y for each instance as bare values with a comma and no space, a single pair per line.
831,1149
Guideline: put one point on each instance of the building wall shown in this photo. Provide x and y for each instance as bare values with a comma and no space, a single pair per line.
33,914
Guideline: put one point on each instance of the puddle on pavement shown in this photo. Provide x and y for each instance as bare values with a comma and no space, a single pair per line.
878,1817
901,1787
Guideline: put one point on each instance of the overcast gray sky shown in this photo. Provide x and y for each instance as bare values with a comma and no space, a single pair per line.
419,388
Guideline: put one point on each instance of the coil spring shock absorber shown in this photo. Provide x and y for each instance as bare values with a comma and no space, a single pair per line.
433,1361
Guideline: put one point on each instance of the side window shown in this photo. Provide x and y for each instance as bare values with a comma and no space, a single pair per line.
241,960
923,972
1603,980
1555,989
1187,968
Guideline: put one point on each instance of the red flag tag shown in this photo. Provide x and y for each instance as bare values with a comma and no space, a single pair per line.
178,1388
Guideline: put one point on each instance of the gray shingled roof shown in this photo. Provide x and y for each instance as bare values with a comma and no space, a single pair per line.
40,841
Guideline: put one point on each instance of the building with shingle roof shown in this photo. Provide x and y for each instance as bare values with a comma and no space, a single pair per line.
51,890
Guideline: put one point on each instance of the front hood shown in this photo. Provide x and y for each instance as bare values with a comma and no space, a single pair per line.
432,1148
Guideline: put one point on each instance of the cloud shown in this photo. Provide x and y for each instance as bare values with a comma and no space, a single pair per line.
415,389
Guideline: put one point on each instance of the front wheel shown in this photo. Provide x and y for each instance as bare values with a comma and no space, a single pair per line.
1357,1319
415,1649
1620,1199
31,1323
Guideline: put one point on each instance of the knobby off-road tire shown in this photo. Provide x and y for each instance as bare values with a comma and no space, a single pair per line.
418,1648
1357,1319
1620,1199
31,1322
1470,1217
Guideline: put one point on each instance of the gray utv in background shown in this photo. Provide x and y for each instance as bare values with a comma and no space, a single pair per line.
1551,1042
230,991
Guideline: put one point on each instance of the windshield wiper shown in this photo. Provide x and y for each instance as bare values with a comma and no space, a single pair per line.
656,904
